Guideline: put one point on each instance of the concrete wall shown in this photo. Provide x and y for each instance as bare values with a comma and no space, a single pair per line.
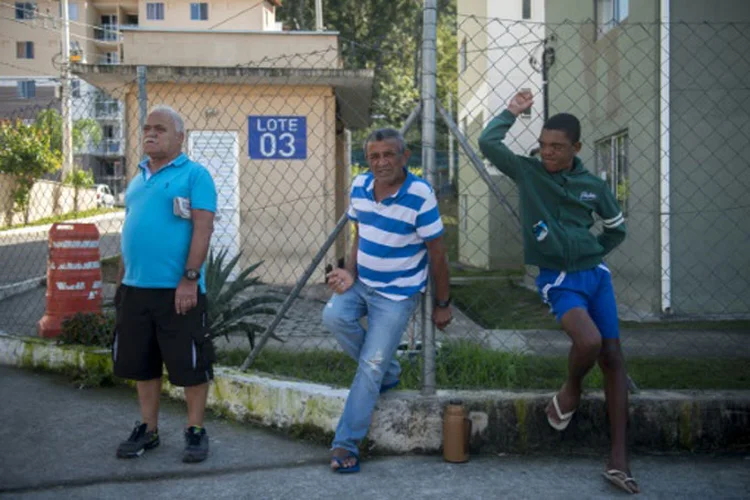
212,48
710,131
47,199
496,67
473,223
287,208
612,85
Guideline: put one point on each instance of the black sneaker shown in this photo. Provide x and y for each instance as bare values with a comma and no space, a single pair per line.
139,441
196,445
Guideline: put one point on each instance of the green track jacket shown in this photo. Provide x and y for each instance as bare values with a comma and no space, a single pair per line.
557,210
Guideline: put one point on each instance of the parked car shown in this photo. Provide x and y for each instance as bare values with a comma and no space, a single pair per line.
104,197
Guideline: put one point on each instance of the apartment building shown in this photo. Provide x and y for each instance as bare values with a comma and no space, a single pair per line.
31,57
500,50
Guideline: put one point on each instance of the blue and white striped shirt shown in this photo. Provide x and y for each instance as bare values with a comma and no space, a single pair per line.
392,255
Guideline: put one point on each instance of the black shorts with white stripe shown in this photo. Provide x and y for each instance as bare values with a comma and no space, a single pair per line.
149,334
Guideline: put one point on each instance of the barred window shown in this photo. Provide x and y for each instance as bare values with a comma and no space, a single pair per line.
612,166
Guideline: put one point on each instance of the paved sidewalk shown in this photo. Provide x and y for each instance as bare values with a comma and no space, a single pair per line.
59,442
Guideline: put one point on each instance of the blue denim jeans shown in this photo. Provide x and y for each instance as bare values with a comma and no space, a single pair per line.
374,350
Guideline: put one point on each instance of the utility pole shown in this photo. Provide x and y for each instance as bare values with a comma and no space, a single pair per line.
65,82
318,15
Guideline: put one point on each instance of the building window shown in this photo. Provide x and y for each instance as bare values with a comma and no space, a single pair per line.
462,55
25,10
155,11
24,50
75,87
26,89
199,11
612,166
111,58
72,11
610,13
526,9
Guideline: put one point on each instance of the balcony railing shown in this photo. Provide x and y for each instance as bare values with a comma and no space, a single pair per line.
107,109
111,58
110,147
107,33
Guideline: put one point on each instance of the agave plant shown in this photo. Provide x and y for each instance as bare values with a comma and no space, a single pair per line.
225,316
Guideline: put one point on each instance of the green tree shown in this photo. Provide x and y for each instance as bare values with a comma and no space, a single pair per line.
25,154
386,37
78,179
84,130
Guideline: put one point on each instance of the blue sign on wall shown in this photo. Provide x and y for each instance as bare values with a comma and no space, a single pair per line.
277,137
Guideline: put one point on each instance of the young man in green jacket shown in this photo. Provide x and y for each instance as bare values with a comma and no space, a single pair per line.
558,198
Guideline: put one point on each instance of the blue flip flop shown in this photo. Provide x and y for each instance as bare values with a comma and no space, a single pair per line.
388,387
346,470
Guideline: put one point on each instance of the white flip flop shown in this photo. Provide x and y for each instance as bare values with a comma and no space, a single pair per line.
564,418
622,480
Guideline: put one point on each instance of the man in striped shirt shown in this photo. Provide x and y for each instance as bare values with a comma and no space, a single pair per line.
398,232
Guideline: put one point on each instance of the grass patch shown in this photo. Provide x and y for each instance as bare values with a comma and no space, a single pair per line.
467,365
502,304
64,217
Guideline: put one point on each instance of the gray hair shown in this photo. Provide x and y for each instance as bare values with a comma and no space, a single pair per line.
384,134
179,125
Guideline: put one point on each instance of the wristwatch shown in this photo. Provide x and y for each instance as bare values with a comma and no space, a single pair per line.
192,274
442,304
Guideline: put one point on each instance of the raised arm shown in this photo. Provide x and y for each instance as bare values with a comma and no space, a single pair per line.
491,141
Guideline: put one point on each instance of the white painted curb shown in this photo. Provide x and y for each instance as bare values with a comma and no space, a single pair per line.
277,403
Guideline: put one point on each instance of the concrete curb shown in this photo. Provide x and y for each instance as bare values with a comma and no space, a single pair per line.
7,291
405,421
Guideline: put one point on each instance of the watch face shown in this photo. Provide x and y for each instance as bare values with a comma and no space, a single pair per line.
191,274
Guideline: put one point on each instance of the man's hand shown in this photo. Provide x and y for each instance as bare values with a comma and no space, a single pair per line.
441,316
186,296
521,102
340,280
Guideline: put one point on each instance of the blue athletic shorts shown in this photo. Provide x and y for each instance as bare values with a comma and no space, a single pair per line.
590,289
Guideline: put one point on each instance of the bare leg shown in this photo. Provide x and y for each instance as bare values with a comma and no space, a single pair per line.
149,392
587,343
612,365
196,397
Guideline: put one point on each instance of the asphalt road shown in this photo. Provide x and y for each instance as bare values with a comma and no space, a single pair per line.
23,254
59,442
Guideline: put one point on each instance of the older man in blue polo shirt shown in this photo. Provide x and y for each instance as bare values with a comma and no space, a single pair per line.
399,232
161,304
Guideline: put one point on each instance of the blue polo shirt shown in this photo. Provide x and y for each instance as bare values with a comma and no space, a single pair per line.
155,243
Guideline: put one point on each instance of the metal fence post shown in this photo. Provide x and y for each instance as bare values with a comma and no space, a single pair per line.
429,91
142,106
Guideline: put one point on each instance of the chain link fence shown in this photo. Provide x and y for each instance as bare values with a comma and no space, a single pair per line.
665,130
276,135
